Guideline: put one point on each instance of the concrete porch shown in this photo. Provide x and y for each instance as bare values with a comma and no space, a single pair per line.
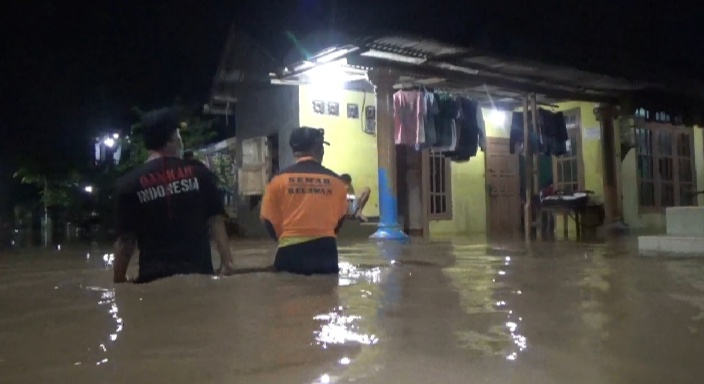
684,237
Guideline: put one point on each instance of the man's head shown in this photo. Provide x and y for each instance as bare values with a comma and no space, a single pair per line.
346,178
308,142
161,132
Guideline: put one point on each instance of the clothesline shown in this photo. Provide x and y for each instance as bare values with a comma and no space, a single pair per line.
460,93
446,123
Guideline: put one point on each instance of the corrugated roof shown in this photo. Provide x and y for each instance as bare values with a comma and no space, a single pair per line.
432,63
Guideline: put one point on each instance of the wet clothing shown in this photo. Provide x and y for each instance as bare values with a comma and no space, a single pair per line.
553,132
304,203
409,117
318,256
167,203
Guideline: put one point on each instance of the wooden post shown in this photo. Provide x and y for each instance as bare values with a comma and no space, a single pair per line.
383,81
425,191
536,161
606,115
528,172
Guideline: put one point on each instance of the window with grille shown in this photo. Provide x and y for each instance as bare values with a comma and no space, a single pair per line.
440,195
567,169
664,166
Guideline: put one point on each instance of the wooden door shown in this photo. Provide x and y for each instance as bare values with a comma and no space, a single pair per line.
253,175
502,186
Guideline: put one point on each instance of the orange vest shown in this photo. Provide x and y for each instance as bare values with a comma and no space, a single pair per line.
305,200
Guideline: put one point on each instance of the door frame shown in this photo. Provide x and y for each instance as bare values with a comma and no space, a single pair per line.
487,194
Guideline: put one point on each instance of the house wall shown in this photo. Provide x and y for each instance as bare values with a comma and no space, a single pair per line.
351,150
469,180
270,110
469,189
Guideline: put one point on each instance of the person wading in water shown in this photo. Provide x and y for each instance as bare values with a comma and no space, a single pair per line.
304,207
169,208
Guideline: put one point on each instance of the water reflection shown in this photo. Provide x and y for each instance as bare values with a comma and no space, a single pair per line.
107,300
443,311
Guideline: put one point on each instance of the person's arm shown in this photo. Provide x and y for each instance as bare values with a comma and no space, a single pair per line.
124,248
126,237
271,212
222,243
215,212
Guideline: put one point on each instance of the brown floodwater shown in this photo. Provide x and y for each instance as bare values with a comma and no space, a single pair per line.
456,311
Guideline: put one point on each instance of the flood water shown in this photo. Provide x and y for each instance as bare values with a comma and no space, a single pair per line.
460,311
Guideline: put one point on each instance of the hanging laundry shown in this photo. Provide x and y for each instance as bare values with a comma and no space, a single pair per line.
445,123
431,111
552,137
470,131
409,115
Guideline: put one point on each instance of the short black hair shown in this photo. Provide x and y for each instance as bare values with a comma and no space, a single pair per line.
158,127
346,177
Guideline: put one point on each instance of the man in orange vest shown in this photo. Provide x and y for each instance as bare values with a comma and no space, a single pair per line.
304,207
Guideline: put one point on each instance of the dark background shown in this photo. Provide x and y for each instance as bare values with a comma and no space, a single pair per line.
75,68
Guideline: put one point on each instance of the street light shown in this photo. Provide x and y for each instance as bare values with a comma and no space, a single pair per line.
88,188
109,142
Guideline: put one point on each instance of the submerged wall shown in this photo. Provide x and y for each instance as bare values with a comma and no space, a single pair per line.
351,150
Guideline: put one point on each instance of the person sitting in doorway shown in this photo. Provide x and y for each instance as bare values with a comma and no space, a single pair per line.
304,207
358,202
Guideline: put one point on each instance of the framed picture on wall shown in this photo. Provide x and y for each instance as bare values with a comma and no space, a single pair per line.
352,111
370,112
318,107
333,108
370,119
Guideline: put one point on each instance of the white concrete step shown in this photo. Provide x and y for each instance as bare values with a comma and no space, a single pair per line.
672,245
685,221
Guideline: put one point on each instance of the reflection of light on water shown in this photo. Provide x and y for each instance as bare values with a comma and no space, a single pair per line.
107,298
350,274
324,379
109,259
338,330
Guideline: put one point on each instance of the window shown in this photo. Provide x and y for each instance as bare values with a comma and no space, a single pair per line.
440,188
568,174
664,166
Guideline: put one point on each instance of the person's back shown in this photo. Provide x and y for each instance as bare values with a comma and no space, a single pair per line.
168,207
304,207
172,200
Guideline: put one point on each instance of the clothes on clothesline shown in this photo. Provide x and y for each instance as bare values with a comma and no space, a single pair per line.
552,139
445,123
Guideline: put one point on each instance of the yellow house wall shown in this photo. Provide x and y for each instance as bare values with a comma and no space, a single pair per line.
469,189
351,150
591,155
469,179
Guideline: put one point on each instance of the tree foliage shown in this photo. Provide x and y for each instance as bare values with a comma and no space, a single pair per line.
55,183
195,132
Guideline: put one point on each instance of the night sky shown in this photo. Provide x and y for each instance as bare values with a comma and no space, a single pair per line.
71,70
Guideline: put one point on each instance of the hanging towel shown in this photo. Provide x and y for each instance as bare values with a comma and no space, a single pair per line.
409,114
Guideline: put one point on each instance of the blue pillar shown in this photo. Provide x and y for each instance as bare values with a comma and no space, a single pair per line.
389,228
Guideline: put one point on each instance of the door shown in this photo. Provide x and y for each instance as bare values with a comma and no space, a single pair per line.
502,186
254,173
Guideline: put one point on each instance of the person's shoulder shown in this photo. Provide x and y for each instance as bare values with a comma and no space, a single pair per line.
309,168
